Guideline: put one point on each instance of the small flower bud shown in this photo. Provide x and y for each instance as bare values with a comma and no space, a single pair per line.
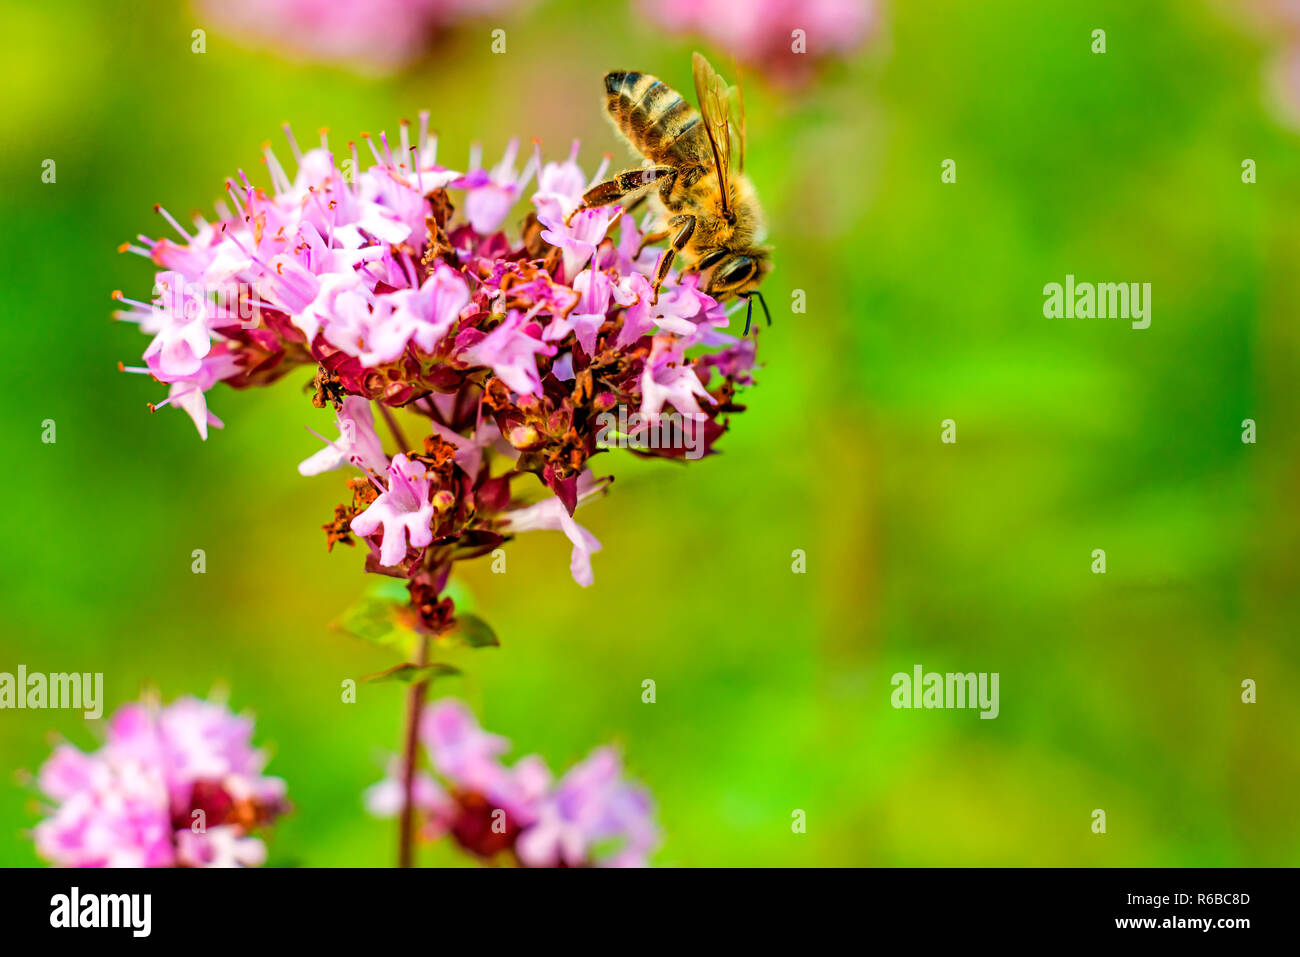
524,437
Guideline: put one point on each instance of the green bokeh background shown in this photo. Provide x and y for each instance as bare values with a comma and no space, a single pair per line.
924,302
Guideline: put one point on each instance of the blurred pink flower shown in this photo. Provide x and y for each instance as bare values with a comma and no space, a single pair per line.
136,802
591,804
490,194
781,38
223,846
384,799
560,185
591,816
376,36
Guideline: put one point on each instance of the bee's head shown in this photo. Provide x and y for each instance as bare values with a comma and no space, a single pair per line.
733,272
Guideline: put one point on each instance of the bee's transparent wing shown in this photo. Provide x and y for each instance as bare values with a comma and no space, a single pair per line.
738,129
715,108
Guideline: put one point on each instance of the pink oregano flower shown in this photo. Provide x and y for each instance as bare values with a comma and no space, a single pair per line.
510,350
357,444
502,353
591,816
403,510
552,514
176,786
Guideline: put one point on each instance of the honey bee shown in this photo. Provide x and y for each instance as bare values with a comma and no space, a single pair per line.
709,208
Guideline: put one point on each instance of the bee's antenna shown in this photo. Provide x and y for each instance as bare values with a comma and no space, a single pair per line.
749,311
763,302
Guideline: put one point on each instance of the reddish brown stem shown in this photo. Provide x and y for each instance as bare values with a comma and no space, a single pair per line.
414,707
394,428
433,411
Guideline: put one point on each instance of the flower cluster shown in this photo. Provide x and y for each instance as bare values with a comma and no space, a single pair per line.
398,288
179,786
590,817
375,35
765,34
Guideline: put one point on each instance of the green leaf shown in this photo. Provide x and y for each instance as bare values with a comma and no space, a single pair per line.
381,617
408,673
475,632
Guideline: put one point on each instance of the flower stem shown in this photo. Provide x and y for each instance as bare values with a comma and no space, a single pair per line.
393,427
414,706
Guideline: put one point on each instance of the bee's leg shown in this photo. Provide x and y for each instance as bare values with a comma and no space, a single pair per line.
655,237
749,298
686,222
626,182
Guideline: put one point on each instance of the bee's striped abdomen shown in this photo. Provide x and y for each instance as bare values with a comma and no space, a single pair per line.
654,117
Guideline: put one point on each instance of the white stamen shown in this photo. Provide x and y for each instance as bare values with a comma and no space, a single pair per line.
174,225
293,145
279,179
